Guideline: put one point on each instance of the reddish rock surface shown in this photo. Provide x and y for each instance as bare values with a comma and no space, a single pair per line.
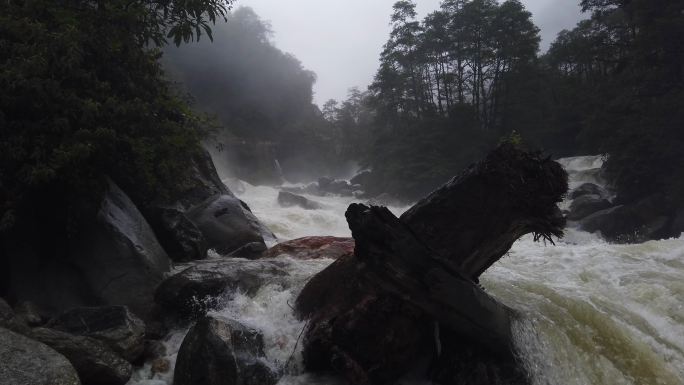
313,248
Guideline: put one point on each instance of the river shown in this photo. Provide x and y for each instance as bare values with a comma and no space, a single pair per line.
594,312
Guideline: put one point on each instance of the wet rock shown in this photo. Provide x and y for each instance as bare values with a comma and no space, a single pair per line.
117,327
227,223
25,361
93,360
120,257
287,199
199,288
29,312
202,182
218,351
154,350
313,248
179,236
589,189
473,365
9,320
235,185
635,222
252,250
586,205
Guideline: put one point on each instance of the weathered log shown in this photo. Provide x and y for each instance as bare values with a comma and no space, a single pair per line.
372,314
475,218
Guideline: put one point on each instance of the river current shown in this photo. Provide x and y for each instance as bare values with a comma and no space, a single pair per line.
593,312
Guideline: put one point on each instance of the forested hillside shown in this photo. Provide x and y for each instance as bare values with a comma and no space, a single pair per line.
471,74
262,99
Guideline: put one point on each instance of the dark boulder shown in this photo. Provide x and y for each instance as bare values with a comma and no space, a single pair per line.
30,313
179,236
218,351
119,256
631,223
204,214
312,248
288,199
24,361
117,327
589,189
586,205
201,183
10,320
93,360
199,288
227,223
115,260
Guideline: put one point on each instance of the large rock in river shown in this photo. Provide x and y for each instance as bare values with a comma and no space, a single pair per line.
634,222
227,223
219,351
94,361
118,328
120,257
288,199
24,361
200,287
313,248
586,205
115,260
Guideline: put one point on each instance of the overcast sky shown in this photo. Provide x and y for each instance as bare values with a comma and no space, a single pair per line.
341,40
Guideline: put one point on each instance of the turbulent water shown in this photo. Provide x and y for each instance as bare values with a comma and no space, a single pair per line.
594,312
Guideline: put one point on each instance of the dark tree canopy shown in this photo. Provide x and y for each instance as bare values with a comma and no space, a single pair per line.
84,96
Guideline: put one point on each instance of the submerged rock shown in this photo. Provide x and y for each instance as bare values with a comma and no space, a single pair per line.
118,328
199,287
218,351
93,360
586,205
288,199
635,222
313,248
25,361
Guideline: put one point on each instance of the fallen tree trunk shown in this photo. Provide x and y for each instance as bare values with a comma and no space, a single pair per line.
409,291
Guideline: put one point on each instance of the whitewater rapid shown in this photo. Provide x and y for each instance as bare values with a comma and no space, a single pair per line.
593,312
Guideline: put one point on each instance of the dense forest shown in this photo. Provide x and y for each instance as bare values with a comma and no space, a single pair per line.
469,75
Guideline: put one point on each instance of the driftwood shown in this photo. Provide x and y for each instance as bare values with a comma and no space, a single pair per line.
409,291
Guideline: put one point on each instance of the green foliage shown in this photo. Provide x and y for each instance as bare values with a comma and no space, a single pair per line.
623,72
84,96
